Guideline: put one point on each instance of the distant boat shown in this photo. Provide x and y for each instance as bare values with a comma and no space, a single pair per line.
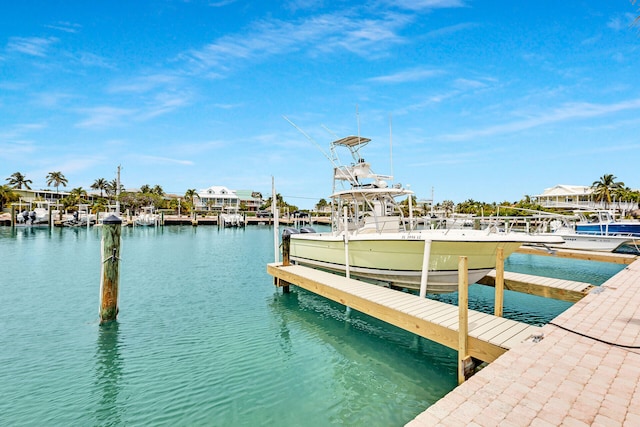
36,217
146,218
603,223
232,219
373,239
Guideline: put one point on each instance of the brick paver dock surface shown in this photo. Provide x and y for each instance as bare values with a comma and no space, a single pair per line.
584,372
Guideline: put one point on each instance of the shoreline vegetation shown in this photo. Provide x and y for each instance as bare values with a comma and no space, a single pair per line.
605,190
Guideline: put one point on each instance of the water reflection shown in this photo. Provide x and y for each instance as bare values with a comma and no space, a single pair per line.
373,364
108,375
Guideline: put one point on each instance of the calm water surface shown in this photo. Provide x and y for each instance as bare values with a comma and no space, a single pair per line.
204,338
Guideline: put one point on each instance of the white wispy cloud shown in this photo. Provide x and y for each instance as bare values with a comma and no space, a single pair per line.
325,33
567,112
426,4
620,23
34,46
407,76
144,83
67,27
163,160
102,117
19,130
163,104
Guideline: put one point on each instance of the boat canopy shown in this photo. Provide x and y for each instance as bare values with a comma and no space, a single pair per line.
351,141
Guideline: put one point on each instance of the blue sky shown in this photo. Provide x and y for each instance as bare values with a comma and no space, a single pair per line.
488,100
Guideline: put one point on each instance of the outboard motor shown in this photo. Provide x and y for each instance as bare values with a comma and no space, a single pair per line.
288,231
307,230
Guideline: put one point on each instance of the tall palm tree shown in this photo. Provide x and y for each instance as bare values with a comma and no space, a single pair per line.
191,194
17,180
7,195
112,188
448,206
157,190
56,178
100,184
604,188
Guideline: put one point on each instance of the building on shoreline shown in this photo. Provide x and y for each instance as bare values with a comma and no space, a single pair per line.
579,197
218,198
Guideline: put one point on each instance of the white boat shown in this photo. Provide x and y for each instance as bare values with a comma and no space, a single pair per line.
232,218
590,241
604,223
36,216
373,239
554,224
146,218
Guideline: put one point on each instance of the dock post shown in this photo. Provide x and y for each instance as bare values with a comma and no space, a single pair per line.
465,363
286,261
13,216
346,243
499,284
49,216
110,268
424,277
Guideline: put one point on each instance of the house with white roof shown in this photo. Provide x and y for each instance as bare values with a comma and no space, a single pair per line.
566,196
217,198
578,197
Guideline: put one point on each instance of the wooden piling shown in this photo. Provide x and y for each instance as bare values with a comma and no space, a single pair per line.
286,261
465,362
13,216
499,298
110,269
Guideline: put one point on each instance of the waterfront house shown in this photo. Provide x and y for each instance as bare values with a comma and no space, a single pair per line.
578,197
217,199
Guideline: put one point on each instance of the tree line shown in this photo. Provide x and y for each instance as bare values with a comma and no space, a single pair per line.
605,190
132,200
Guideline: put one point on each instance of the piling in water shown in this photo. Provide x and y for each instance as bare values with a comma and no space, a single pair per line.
110,269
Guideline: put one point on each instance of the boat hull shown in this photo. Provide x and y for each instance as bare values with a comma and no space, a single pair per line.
397,261
609,229
594,242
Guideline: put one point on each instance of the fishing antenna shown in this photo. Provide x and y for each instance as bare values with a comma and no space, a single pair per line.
312,140
391,145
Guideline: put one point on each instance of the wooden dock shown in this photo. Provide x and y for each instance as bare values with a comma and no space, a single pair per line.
488,336
566,290
580,255
585,371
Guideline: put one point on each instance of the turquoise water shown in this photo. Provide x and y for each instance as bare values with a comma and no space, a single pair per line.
204,338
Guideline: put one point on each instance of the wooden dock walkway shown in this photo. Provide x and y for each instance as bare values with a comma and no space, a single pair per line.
489,336
581,255
585,371
566,290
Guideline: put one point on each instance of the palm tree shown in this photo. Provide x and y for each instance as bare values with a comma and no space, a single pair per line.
604,188
191,194
56,178
7,195
100,184
157,190
145,189
17,180
112,188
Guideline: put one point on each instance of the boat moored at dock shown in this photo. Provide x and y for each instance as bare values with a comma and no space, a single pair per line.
372,237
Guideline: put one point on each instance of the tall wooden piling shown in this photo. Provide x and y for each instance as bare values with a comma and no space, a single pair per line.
13,216
465,363
110,269
499,298
286,261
